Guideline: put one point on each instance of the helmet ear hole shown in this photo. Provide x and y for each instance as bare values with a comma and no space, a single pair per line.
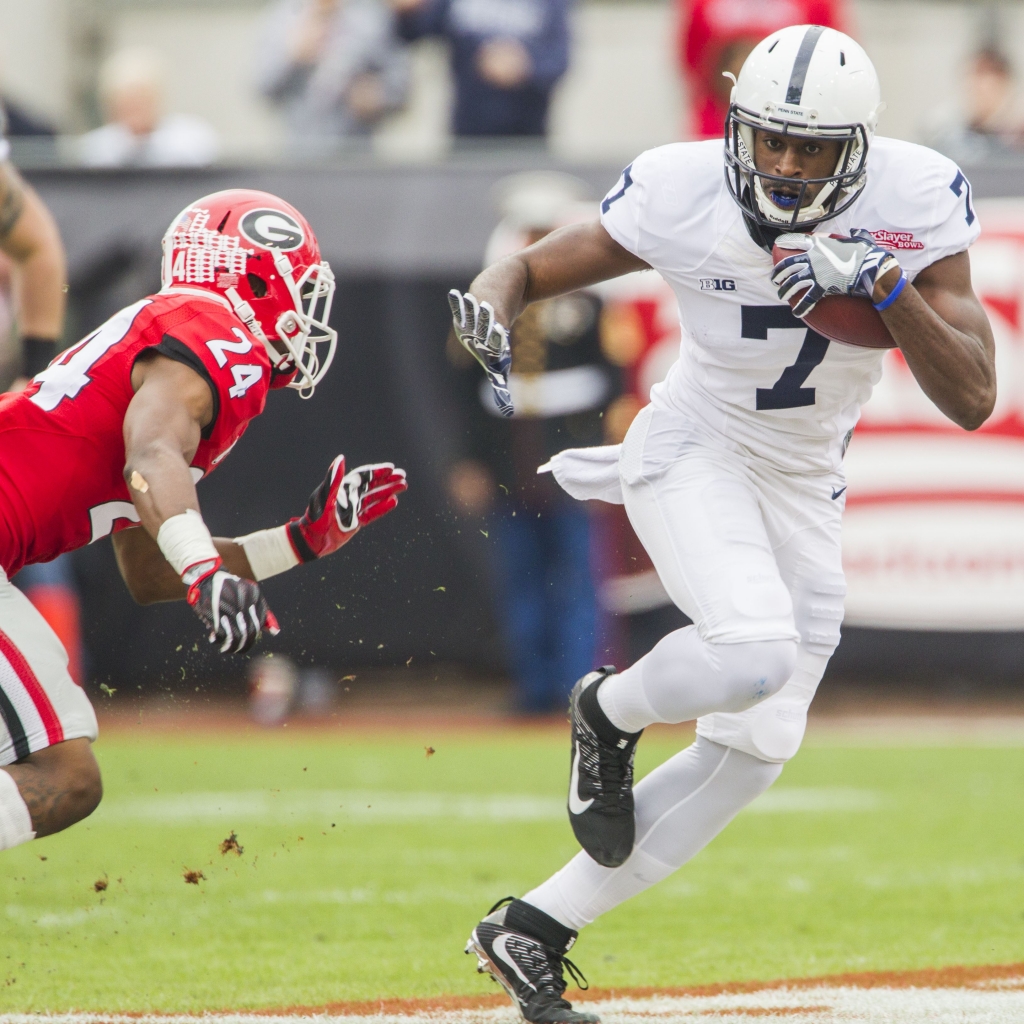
257,284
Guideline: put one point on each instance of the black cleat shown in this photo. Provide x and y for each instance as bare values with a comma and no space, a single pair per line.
523,950
601,779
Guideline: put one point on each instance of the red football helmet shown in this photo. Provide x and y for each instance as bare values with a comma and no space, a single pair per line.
257,254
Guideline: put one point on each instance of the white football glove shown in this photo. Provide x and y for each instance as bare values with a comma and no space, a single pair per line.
485,340
830,266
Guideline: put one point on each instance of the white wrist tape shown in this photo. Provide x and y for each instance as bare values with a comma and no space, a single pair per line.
185,540
15,821
269,552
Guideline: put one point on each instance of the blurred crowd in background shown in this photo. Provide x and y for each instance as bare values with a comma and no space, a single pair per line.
567,581
333,73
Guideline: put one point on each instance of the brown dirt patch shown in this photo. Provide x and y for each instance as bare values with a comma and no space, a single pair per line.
231,845
764,1011
934,977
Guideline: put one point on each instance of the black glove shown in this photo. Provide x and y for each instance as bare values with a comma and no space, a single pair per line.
233,610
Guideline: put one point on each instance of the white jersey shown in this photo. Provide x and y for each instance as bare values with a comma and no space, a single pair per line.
750,373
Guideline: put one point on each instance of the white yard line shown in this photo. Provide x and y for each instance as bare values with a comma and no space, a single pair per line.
998,1002
992,730
369,807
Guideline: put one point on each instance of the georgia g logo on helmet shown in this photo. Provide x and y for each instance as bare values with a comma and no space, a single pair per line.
272,229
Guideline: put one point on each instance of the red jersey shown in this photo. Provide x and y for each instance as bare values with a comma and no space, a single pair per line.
61,439
708,27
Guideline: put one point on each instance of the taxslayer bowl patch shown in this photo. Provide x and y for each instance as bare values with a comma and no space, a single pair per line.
272,229
897,239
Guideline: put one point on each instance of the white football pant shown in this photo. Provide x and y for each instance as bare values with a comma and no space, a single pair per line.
752,555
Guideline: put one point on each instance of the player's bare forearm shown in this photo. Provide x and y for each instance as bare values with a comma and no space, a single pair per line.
567,259
947,340
29,235
162,430
148,575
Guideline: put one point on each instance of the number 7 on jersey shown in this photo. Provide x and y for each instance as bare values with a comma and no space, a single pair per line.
788,391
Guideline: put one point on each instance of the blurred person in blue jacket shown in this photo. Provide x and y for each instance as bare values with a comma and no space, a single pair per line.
561,382
335,67
506,58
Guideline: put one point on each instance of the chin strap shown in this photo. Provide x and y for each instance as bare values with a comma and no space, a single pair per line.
763,236
245,313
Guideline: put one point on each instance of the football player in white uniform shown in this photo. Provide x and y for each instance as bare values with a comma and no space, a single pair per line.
732,476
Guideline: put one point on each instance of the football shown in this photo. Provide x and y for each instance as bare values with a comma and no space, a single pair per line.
845,318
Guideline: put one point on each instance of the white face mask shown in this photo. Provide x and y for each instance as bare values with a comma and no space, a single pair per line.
303,329
750,187
300,329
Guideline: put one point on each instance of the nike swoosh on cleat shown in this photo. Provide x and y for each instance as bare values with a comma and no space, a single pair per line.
576,804
498,947
836,494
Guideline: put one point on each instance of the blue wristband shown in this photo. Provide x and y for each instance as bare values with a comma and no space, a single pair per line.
893,295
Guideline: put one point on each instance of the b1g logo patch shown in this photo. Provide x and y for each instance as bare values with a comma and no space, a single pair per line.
717,284
272,229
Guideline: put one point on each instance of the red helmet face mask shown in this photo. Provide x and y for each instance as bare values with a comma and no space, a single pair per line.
257,254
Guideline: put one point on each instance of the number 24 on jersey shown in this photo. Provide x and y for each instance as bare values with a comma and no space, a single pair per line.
245,374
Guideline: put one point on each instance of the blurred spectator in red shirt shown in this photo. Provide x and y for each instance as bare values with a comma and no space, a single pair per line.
716,35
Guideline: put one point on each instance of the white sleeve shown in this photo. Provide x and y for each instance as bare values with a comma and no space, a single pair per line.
622,208
937,204
664,206
955,226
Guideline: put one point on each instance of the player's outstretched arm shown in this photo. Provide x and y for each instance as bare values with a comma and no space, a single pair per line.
341,505
337,510
162,430
149,576
944,334
565,260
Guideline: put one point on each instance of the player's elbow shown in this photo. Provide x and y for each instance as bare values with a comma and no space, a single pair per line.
139,578
141,588
978,410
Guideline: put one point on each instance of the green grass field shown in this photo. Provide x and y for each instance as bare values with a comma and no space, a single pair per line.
859,859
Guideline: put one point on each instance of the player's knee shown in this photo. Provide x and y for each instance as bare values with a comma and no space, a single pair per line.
818,612
68,780
86,790
751,672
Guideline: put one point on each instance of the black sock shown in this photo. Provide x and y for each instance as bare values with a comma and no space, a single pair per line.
526,918
598,720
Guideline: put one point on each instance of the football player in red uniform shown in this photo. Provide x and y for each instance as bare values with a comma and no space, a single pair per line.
111,438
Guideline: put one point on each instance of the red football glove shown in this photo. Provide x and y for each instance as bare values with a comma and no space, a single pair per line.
233,610
343,503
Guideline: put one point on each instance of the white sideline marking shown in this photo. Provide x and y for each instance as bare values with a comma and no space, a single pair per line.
826,1005
368,807
304,804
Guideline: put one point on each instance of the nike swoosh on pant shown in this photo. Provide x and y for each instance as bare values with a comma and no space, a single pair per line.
576,804
836,494
499,950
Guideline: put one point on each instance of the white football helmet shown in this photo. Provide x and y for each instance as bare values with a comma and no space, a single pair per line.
810,81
